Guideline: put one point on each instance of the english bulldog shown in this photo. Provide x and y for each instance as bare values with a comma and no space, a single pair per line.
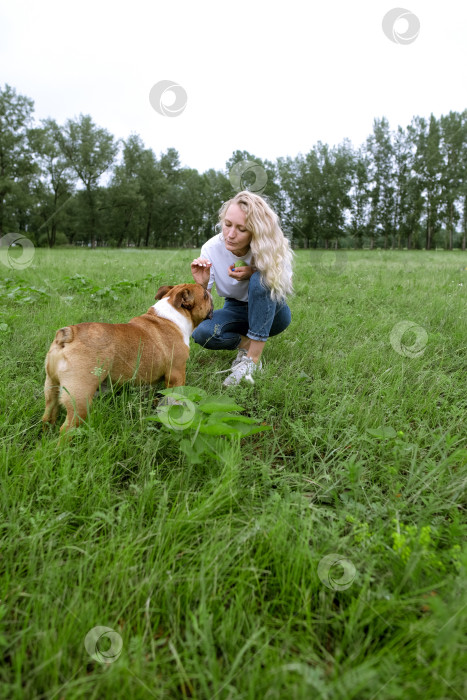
147,348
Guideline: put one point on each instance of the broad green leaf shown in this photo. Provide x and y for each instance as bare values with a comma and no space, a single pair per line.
193,393
232,428
211,404
210,444
224,417
245,430
177,417
219,429
192,452
189,446
382,432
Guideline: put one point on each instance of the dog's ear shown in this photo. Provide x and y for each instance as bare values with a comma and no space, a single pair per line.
185,298
162,291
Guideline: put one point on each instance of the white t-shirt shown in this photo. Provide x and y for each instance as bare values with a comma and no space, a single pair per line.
215,251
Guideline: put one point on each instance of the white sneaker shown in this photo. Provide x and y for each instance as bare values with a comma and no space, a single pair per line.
241,354
244,370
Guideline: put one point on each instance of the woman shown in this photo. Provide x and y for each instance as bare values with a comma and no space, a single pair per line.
254,307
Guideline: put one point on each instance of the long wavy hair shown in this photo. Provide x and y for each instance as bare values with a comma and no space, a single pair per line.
272,254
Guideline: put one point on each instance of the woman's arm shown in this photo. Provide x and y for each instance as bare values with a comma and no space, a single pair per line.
200,269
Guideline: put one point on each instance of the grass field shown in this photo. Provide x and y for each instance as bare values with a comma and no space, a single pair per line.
217,578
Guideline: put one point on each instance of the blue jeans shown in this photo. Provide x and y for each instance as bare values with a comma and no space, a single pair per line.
258,318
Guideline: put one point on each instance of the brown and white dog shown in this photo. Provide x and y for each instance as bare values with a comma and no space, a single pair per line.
149,347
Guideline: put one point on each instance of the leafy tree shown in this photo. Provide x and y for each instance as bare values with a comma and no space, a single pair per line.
123,202
408,187
359,198
248,179
403,163
218,189
316,188
428,166
300,180
153,185
17,167
90,151
262,180
169,164
380,151
54,184
463,181
192,207
166,215
336,175
453,144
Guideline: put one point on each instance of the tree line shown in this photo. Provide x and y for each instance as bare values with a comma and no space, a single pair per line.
400,189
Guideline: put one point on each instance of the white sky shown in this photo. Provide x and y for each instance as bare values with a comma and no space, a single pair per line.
272,78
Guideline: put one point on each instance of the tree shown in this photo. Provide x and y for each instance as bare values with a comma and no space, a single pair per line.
258,176
192,207
124,201
90,151
166,215
300,180
218,189
54,184
380,151
152,185
17,167
452,146
463,182
359,198
336,167
427,166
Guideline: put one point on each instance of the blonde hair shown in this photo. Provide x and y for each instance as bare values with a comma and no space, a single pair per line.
272,254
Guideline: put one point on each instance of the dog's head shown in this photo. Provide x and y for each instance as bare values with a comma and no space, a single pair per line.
190,299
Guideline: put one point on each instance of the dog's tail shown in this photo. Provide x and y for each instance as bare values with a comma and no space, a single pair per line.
54,360
64,335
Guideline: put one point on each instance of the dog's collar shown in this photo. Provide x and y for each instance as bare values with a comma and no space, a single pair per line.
164,309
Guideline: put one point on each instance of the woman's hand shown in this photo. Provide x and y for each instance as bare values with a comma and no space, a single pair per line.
241,273
200,269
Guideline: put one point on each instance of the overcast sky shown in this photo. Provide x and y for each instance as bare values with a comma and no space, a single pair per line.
272,78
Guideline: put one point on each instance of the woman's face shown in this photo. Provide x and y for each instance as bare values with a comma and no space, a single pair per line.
236,236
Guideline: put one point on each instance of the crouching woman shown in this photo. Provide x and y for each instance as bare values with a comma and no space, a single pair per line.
250,262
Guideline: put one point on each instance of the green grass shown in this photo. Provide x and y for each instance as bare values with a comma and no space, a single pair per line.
209,573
